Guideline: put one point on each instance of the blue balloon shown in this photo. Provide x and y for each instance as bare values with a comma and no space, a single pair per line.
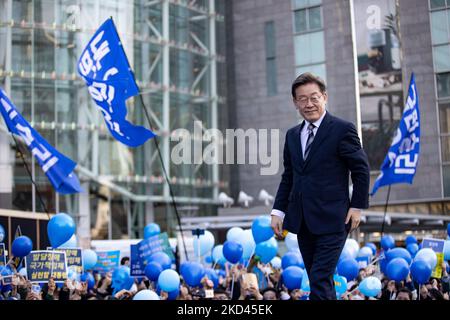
340,284
2,233
89,278
261,229
291,258
193,273
397,269
121,279
421,271
387,242
267,250
412,249
172,295
162,258
60,228
383,263
89,259
348,268
292,277
212,275
232,251
152,270
447,250
370,286
372,246
410,239
448,229
150,230
221,273
399,253
21,246
71,243
169,280
183,266
305,282
208,259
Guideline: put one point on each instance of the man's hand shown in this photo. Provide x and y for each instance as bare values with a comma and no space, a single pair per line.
277,225
355,216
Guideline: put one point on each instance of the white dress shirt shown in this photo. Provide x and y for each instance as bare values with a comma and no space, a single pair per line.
303,138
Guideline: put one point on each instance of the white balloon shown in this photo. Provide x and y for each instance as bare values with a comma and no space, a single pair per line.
248,243
146,295
217,253
23,272
365,252
427,255
71,243
276,262
206,243
291,241
352,247
234,234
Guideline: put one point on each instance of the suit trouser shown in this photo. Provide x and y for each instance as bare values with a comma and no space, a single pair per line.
321,254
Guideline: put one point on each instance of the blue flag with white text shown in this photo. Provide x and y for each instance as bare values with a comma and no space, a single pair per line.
57,167
401,161
104,66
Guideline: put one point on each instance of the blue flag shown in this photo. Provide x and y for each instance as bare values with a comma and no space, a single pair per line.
110,80
57,167
401,161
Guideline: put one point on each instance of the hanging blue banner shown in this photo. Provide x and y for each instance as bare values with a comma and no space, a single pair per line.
401,161
57,167
104,67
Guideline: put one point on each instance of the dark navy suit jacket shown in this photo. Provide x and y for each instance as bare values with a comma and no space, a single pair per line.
317,189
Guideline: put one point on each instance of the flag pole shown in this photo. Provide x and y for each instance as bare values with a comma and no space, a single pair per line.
157,148
30,175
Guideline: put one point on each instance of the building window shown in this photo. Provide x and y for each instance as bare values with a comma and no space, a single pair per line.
309,40
440,38
271,67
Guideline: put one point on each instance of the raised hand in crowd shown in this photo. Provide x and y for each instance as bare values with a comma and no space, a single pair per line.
125,294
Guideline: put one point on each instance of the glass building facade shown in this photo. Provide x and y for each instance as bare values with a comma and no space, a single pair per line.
440,39
176,50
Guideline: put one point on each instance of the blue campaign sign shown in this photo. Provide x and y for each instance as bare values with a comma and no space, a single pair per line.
107,261
149,246
57,167
436,244
401,161
136,267
74,258
43,264
363,261
104,67
2,254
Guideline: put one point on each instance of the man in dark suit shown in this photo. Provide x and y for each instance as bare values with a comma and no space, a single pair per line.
313,197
